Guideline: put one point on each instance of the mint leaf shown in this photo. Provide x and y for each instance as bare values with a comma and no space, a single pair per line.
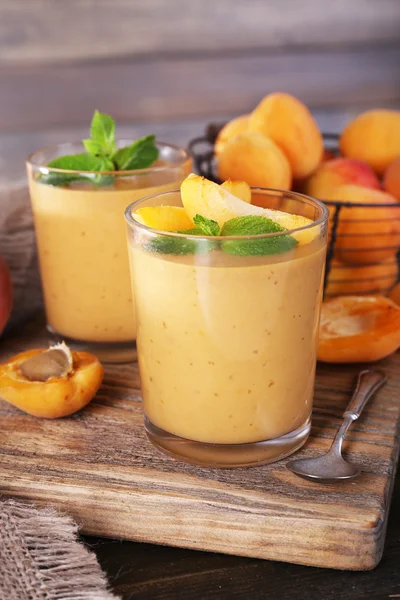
93,148
142,153
177,246
102,131
250,225
255,225
207,226
79,162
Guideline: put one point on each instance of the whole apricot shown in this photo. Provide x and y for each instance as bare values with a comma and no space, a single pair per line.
366,235
347,280
290,124
391,179
254,158
374,137
340,171
229,130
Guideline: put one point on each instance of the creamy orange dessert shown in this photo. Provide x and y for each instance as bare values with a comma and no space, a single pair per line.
81,236
227,322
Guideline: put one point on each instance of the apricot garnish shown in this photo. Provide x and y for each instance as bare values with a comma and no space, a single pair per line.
358,329
165,218
50,383
240,189
213,201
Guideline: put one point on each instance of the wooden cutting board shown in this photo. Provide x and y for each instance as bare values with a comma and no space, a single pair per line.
99,467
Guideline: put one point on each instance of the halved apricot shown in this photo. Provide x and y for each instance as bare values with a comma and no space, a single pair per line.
358,329
57,389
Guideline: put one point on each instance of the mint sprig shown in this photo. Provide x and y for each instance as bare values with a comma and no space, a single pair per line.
255,225
247,226
102,155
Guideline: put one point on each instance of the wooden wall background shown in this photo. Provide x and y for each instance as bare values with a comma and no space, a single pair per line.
186,61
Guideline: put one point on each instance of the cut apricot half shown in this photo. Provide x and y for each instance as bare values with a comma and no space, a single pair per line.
358,329
165,218
208,199
50,383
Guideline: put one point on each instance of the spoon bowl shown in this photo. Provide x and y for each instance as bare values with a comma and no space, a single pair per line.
332,466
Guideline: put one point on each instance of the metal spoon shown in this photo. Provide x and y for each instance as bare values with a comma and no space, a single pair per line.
332,466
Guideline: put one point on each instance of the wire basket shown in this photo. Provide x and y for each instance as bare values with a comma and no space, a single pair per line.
341,278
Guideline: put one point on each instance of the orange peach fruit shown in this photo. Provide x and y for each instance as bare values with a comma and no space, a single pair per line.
395,294
347,280
254,158
366,235
340,171
290,124
374,137
391,179
229,130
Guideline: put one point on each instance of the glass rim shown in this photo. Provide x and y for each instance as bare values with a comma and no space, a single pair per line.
320,221
44,169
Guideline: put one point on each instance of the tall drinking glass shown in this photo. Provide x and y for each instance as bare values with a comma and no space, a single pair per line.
80,235
227,341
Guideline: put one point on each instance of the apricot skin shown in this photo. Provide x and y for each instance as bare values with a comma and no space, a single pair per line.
256,159
391,179
374,137
366,235
229,130
57,397
289,123
340,171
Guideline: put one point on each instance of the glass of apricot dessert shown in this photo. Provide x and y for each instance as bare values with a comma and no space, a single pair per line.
78,201
228,298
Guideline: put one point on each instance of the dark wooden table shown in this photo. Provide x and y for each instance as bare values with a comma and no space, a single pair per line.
143,571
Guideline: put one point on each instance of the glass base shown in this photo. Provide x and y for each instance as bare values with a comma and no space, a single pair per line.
117,352
227,456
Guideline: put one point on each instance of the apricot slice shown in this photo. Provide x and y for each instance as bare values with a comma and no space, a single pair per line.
289,123
374,137
240,189
213,201
50,383
229,130
165,218
358,329
256,159
361,279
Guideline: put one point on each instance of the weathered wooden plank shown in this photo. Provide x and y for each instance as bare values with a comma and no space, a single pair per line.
55,30
99,467
153,90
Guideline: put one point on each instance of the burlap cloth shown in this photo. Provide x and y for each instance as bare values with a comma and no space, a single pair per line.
41,559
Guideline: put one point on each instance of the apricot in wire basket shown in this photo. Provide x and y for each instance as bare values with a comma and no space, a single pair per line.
50,383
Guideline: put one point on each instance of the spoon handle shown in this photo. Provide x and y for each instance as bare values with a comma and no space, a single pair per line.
369,381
